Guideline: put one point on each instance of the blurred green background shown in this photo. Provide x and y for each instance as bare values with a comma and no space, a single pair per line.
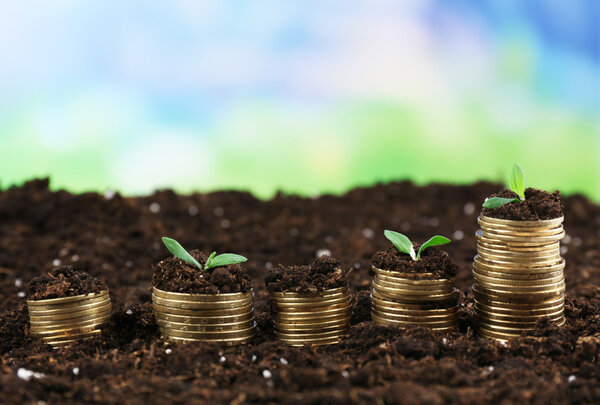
305,97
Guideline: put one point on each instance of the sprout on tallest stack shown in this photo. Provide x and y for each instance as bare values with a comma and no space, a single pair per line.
518,270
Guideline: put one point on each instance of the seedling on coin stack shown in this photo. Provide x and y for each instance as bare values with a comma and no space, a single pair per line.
310,304
66,306
414,286
518,269
199,297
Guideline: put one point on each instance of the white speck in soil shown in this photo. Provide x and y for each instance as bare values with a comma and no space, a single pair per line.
571,378
293,231
405,226
458,235
40,402
109,194
75,258
168,351
222,359
267,374
56,262
356,266
105,266
253,358
434,222
27,375
219,211
128,263
323,252
154,208
268,265
129,312
345,374
193,210
563,250
328,239
469,208
63,252
21,294
18,282
105,240
503,343
577,241
368,233
444,340
567,239
75,370
283,361
491,368
225,223
156,246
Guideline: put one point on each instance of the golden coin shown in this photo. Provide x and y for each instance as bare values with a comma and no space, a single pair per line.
284,328
498,251
409,312
511,304
202,312
312,316
69,311
427,277
517,276
516,223
66,331
84,322
310,309
394,321
494,319
225,327
379,300
242,333
523,232
522,311
221,342
309,336
520,264
200,305
226,297
71,316
537,283
418,284
330,293
513,291
532,244
393,295
68,307
410,318
313,304
413,289
480,264
313,342
204,320
68,300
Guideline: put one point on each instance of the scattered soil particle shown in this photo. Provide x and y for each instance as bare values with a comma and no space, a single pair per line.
433,263
323,274
63,281
538,205
175,275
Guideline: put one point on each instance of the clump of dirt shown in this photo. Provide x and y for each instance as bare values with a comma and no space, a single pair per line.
323,274
61,282
176,275
538,205
433,263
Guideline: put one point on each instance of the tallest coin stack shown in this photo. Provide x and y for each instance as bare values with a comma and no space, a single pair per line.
518,273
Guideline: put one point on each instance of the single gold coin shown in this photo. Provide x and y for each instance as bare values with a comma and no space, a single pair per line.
479,264
391,295
308,309
225,327
313,342
65,309
221,342
310,336
330,293
509,222
242,333
72,316
393,321
521,233
523,312
209,298
312,316
378,300
200,305
416,318
202,312
204,320
67,300
311,304
413,289
518,264
517,276
283,328
40,327
492,319
540,304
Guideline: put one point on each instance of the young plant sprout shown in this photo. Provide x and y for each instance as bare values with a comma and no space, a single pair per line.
404,245
213,260
516,184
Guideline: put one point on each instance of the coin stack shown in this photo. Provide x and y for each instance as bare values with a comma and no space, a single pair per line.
401,301
518,274
64,321
318,319
227,319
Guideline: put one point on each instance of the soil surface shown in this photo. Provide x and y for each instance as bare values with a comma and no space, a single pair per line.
433,264
538,204
118,239
175,275
323,274
63,281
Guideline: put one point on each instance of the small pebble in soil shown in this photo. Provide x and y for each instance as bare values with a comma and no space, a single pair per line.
105,240
293,231
491,368
129,312
405,226
567,239
109,194
577,241
18,282
267,374
40,402
75,370
268,265
56,262
154,208
253,358
469,208
26,375
222,359
571,378
63,252
156,246
283,361
323,252
444,340
458,235
345,374
128,263
225,223
21,294
219,211
168,351
563,250
193,210
75,258
368,233
328,239
356,266
434,222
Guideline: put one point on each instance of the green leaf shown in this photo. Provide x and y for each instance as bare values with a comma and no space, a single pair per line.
517,182
225,259
402,243
209,260
178,250
437,240
496,202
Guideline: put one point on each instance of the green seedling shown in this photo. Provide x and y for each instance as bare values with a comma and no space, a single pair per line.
213,260
404,245
516,184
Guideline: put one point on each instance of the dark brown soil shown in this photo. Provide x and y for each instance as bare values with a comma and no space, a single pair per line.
323,274
118,239
63,281
175,275
538,205
433,263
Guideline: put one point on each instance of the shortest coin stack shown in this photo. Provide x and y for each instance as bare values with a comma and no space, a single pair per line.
401,301
64,321
227,319
318,319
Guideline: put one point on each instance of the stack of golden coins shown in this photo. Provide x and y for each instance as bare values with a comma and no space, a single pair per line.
64,321
227,319
401,301
518,274
318,319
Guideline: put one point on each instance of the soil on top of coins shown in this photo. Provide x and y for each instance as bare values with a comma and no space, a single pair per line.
323,274
63,281
433,264
117,239
538,205
175,275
